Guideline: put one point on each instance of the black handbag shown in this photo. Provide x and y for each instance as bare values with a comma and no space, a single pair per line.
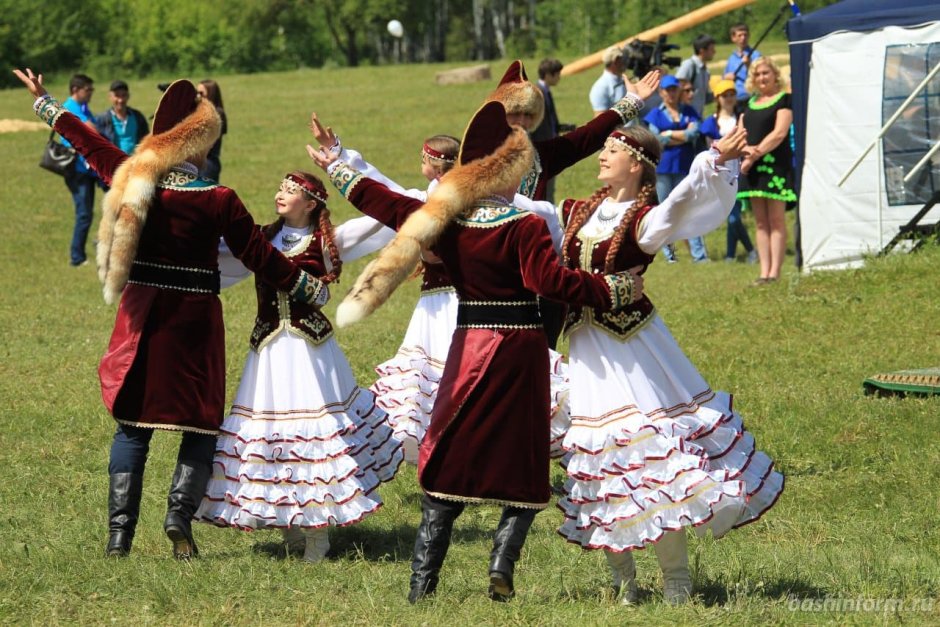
57,158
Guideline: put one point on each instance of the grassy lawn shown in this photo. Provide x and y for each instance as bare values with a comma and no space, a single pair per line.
857,520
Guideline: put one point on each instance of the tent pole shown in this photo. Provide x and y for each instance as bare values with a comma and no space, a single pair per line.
889,123
881,205
923,161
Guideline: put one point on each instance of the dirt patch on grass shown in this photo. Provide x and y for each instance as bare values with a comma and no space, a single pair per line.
16,126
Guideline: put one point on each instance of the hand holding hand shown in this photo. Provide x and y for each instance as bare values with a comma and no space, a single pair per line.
323,157
647,86
33,82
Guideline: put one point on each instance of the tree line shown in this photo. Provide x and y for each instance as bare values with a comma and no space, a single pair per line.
144,37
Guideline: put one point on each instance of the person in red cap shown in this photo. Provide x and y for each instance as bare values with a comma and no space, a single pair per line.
525,105
158,245
488,440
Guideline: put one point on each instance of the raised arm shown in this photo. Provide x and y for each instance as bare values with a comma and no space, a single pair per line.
103,156
368,196
562,152
329,140
701,201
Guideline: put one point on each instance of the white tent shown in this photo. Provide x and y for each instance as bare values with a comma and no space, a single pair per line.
853,77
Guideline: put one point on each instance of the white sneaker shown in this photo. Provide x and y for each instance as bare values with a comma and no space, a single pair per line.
752,256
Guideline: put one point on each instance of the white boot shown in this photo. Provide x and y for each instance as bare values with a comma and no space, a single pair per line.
673,556
623,568
294,540
318,543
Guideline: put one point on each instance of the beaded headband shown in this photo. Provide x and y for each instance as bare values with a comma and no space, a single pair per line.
634,147
434,154
308,188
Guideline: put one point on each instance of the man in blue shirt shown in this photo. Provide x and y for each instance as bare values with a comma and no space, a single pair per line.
609,88
122,125
80,180
740,60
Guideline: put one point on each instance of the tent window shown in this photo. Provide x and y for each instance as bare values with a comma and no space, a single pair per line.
913,134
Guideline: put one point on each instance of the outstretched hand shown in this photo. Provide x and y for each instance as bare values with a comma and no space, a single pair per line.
323,134
732,145
322,156
32,81
647,86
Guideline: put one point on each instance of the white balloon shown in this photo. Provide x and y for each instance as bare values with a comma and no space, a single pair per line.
395,29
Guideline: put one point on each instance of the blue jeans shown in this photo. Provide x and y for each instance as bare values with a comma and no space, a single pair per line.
737,232
82,187
665,183
131,444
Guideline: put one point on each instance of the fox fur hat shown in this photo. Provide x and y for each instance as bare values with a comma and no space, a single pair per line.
493,156
184,126
518,95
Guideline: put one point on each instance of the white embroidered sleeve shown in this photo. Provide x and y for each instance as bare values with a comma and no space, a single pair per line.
361,236
231,269
699,204
548,212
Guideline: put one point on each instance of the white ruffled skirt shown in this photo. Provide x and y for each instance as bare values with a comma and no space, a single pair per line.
408,382
304,446
652,448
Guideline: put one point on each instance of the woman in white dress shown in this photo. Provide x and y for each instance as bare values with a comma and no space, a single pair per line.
652,448
407,383
304,447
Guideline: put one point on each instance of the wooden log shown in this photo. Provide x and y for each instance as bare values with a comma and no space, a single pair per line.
677,25
472,74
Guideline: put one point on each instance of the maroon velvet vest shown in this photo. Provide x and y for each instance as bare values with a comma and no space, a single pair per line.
588,253
276,311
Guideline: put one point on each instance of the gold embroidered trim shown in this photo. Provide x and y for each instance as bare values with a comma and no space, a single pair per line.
148,425
507,303
484,501
169,267
499,326
635,318
438,290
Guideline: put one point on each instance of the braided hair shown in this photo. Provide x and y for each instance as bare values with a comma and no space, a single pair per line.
320,213
583,210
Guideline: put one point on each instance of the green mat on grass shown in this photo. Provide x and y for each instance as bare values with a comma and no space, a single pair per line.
925,381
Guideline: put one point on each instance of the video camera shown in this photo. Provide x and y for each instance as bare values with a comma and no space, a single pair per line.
642,56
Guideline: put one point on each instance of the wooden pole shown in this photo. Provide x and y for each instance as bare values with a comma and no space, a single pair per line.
672,27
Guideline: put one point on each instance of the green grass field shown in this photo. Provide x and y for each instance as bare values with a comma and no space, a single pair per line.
857,521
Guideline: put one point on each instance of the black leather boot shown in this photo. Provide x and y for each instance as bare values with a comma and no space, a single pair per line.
437,523
186,492
507,545
124,492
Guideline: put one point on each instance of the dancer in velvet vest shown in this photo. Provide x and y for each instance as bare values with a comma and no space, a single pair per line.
158,247
525,105
487,442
